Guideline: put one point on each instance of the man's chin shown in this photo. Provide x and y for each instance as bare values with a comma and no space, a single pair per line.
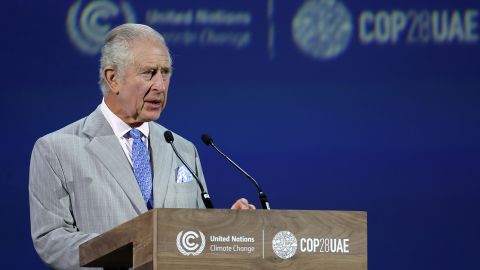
150,117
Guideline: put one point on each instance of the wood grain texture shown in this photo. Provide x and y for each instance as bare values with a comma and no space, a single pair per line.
129,244
153,239
303,224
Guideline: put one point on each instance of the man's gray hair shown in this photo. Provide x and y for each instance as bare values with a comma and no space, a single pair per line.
116,50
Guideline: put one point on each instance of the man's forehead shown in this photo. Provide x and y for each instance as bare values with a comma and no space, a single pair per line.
149,49
153,53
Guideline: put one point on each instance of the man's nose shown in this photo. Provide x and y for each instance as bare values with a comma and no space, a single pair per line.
160,81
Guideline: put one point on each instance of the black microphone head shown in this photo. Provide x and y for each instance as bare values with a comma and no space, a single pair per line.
207,139
168,136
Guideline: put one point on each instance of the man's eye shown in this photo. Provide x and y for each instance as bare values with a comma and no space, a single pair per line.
165,71
150,73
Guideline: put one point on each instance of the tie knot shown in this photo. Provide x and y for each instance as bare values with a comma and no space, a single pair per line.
135,133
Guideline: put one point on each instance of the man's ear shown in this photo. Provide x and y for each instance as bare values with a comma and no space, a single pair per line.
111,77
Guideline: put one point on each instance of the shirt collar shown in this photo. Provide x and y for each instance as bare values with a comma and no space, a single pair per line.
119,127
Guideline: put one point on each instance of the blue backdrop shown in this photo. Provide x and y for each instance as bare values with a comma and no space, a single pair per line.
330,104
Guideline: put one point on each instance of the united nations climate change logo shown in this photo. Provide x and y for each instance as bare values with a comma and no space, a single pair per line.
322,28
89,21
187,243
284,244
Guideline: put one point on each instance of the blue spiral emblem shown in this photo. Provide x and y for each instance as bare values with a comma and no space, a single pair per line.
88,23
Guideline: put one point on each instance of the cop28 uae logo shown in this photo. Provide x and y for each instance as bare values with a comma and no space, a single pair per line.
188,243
88,22
322,29
284,244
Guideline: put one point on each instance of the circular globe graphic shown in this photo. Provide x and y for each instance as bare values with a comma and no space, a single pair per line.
284,244
322,29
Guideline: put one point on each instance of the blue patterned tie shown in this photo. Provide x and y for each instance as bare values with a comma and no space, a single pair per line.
141,166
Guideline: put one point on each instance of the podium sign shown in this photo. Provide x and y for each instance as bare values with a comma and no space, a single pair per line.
222,239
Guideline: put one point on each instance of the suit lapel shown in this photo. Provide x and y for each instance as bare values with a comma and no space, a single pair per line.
162,160
106,147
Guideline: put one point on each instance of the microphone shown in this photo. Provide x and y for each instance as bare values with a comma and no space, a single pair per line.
263,197
205,197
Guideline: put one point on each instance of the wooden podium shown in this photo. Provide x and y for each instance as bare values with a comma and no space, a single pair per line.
233,239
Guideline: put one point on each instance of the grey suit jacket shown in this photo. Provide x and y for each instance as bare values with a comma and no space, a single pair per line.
81,185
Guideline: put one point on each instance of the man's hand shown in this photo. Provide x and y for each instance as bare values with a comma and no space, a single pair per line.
242,204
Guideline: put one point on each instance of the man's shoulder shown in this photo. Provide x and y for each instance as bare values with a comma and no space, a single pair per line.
70,131
73,131
72,128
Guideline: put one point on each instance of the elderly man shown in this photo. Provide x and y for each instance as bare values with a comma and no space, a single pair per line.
114,164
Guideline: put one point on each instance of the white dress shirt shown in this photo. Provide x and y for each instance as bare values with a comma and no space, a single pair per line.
121,130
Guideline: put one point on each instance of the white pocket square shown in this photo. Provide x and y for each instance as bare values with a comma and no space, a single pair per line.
183,175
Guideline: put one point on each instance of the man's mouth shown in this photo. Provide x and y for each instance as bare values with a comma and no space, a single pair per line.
154,103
